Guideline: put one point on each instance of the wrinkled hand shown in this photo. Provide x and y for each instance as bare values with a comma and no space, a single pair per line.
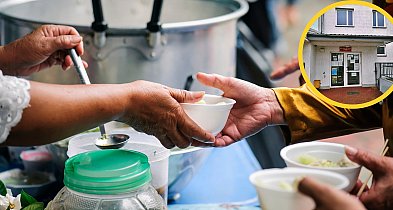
380,194
327,197
44,47
285,70
255,107
155,110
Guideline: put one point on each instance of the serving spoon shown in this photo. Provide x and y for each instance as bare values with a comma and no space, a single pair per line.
106,141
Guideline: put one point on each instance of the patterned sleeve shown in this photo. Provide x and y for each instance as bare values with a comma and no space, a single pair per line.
14,97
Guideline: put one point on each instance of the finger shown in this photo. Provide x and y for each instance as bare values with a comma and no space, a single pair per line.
197,143
184,123
322,194
63,42
80,49
166,142
67,63
373,162
68,30
223,141
179,139
285,70
357,187
85,64
183,96
213,80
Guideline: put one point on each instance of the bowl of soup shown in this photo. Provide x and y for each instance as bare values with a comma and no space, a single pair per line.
277,188
211,113
322,156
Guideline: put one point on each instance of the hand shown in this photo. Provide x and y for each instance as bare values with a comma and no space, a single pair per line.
44,47
380,194
255,107
328,198
155,110
285,70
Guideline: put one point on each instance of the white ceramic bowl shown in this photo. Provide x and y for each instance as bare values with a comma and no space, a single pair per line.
211,116
272,197
321,150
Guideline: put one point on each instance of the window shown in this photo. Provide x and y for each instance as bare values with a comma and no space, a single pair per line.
381,51
378,20
344,17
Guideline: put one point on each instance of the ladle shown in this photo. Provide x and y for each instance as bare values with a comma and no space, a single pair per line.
111,141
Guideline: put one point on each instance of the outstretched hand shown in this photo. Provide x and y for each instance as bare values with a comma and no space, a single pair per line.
255,107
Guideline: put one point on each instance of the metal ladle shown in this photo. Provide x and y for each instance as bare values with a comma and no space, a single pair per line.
111,141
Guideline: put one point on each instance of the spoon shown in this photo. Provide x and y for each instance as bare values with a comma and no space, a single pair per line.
111,141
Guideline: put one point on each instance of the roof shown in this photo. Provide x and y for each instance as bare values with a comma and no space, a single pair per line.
346,37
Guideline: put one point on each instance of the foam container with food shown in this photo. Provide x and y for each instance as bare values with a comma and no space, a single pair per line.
332,153
211,113
274,195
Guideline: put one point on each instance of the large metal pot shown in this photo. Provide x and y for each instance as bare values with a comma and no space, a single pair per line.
195,35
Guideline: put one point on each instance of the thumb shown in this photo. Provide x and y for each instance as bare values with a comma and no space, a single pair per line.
371,161
320,193
183,96
64,42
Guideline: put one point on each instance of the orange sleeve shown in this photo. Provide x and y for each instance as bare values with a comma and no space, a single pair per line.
310,118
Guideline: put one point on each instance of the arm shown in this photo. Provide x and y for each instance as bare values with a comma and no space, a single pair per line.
310,118
59,111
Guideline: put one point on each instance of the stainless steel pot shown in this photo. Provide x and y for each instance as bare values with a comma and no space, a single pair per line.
195,35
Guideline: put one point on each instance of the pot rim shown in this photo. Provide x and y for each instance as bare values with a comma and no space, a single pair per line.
241,9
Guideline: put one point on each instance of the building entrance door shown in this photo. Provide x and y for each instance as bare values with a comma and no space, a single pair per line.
353,68
337,69
345,69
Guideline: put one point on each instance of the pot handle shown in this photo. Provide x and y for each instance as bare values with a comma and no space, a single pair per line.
189,81
99,25
154,25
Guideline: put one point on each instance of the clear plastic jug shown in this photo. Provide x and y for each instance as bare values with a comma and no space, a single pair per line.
107,179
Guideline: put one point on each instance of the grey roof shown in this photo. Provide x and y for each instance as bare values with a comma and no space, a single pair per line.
349,36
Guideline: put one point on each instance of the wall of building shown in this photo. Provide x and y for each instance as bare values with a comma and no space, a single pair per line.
321,69
363,23
309,55
389,55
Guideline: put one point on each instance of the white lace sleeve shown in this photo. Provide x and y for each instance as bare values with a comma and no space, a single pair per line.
14,97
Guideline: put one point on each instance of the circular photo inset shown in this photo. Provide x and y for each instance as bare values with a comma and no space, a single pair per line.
346,52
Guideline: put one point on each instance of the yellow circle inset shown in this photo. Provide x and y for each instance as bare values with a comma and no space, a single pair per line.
301,46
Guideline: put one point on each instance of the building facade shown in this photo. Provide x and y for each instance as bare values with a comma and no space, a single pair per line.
348,46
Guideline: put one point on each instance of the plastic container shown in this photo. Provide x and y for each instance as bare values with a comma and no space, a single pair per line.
36,160
149,145
107,179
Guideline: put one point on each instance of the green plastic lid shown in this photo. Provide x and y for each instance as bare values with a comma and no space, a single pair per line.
107,172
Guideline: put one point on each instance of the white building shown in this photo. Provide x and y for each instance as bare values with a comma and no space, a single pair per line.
349,46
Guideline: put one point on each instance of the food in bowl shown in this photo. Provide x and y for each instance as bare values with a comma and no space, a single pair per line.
290,186
318,162
321,151
277,188
211,114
